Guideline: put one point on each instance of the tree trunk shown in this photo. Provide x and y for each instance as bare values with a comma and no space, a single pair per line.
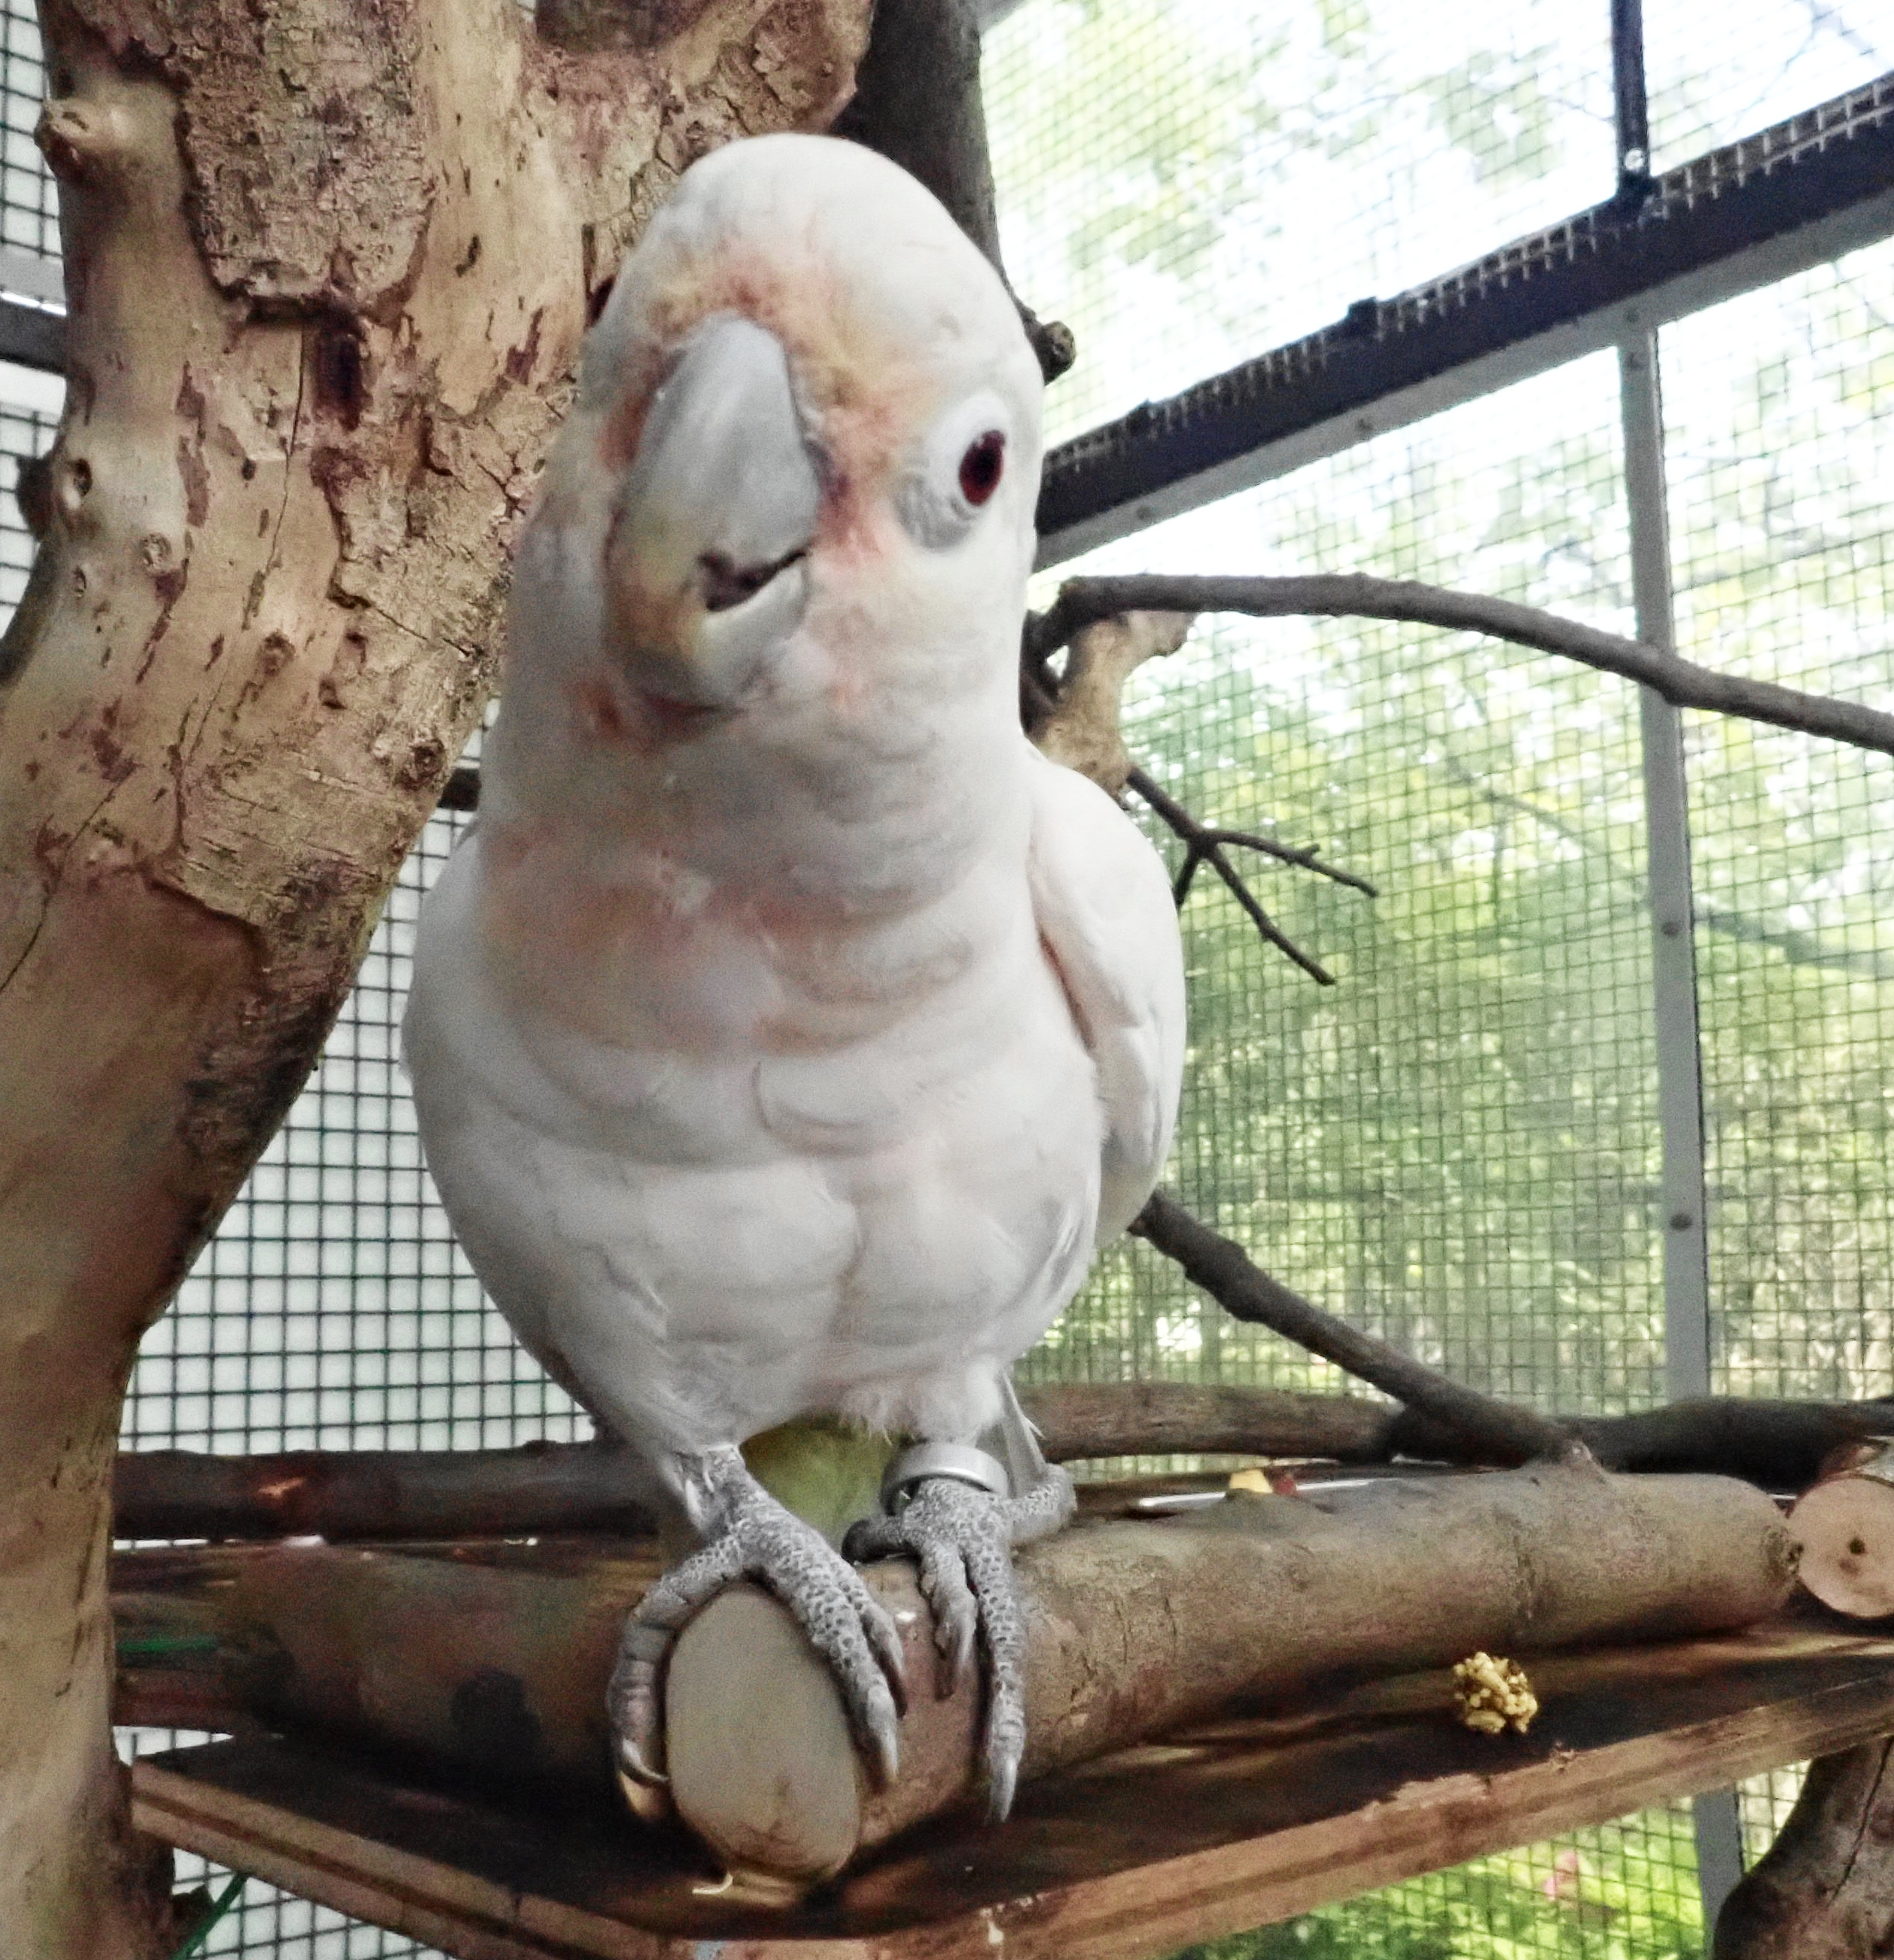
1825,1889
328,266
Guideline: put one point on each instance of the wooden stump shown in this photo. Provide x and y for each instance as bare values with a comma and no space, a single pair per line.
1845,1527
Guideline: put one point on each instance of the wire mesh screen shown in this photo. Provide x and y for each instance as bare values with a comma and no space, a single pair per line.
29,207
1713,78
1621,1890
1783,523
1187,183
334,1310
1455,1143
1784,544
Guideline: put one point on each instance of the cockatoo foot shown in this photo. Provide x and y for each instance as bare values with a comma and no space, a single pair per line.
751,1536
963,1538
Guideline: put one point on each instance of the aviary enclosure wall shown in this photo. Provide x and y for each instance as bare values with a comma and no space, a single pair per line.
1459,1144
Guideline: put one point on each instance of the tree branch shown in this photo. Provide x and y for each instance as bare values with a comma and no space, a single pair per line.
574,1487
1073,717
1354,595
1825,1888
330,271
1497,1431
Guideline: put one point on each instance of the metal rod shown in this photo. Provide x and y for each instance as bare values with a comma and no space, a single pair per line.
32,336
1631,110
1673,959
1687,1343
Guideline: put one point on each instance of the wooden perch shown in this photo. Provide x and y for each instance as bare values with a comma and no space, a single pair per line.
581,1486
588,1486
1845,1527
1253,1817
1137,1629
1825,1889
379,1493
1353,595
1134,1628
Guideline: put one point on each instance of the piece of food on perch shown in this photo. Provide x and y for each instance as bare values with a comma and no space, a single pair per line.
788,1030
1493,1694
1845,1524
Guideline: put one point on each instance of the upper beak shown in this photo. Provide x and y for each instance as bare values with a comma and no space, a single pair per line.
704,566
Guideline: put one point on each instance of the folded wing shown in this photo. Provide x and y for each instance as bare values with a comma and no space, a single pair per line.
1106,917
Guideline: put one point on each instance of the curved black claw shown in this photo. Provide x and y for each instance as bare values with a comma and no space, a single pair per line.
756,1537
963,1538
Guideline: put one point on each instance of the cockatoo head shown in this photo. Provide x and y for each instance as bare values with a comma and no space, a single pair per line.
802,467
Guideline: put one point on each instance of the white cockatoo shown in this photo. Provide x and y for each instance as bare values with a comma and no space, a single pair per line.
788,1030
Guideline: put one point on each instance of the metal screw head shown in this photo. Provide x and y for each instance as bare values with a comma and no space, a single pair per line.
1634,161
1681,1221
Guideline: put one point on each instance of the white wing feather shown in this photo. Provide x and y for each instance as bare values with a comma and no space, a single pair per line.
1105,914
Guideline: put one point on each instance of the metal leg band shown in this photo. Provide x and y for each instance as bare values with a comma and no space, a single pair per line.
959,1461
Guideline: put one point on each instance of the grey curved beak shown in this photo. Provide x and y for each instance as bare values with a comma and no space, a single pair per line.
704,566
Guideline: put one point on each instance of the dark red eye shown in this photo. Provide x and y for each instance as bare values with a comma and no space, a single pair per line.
980,467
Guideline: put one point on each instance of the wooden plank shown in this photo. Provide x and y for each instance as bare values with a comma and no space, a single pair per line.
1253,1818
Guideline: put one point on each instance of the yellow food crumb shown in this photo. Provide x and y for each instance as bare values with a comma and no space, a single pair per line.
1494,1694
1252,1479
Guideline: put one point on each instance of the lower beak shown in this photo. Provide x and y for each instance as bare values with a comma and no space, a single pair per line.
705,566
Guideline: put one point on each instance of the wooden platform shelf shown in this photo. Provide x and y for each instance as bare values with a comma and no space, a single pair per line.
1252,1819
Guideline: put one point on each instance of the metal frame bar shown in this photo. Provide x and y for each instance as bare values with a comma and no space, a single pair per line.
1631,109
1673,971
39,276
1751,214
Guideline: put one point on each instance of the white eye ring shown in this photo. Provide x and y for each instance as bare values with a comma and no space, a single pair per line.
933,508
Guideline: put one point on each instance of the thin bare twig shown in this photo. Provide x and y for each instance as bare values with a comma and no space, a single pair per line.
1205,845
1082,601
1500,1432
1190,828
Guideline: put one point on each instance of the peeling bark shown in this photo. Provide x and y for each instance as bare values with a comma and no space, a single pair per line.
328,267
